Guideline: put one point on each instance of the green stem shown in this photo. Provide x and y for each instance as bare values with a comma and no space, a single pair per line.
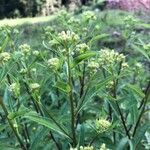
11,125
71,101
147,93
118,107
122,120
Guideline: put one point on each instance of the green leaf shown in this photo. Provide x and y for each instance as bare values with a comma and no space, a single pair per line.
81,136
136,90
132,145
45,122
7,147
3,126
122,144
98,37
141,50
141,132
63,86
82,57
5,42
92,92
38,137
22,110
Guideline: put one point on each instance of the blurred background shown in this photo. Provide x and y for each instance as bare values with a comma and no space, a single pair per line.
32,8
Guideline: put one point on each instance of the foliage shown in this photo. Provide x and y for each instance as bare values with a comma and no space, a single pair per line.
77,90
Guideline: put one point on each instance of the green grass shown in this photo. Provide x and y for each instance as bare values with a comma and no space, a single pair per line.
31,29
22,21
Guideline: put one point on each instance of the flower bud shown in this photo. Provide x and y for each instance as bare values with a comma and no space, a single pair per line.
86,148
15,89
4,57
34,86
102,125
53,63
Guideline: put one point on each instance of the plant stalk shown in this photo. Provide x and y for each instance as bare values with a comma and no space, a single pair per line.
11,125
147,93
71,101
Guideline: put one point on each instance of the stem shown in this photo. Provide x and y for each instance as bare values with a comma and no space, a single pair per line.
57,145
123,121
71,102
115,96
94,138
39,109
50,116
147,93
82,80
11,125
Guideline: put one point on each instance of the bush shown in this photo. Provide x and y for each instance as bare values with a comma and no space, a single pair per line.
71,95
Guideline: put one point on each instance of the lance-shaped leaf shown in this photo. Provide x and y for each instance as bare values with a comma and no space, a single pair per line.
82,57
45,122
63,86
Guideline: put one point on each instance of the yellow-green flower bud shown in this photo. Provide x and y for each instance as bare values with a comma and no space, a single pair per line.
25,49
86,148
34,86
36,53
15,89
82,48
4,57
53,63
103,147
68,36
102,125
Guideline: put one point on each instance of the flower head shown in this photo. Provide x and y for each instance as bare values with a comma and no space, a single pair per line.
68,36
86,148
53,63
25,49
103,147
102,125
73,20
36,53
108,57
89,15
125,65
93,66
4,57
82,48
15,88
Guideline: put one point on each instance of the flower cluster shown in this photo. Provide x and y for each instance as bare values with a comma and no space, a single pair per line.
103,147
36,53
73,20
138,67
125,65
89,15
4,57
102,125
93,66
15,89
108,57
86,148
23,71
68,36
25,49
53,63
81,48
110,85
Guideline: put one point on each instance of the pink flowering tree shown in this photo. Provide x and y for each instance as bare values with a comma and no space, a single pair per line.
131,5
